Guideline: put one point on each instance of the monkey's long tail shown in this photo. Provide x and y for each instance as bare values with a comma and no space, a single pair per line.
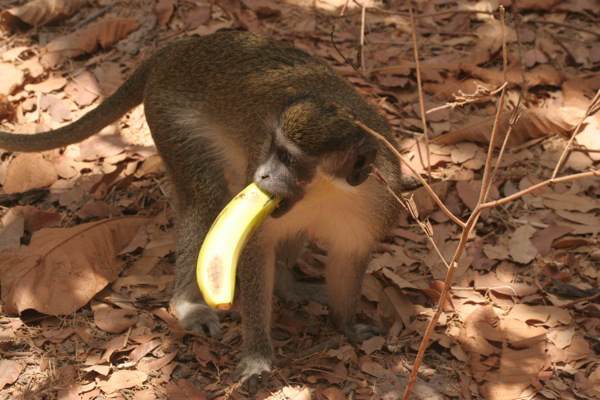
129,95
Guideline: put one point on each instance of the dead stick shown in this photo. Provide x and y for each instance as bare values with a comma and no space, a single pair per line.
403,160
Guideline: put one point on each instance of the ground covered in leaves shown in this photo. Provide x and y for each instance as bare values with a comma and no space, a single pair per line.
87,232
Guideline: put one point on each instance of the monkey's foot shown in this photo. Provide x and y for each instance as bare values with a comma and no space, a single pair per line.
253,372
198,317
360,332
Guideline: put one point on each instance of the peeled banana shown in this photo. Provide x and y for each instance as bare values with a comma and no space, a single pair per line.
223,245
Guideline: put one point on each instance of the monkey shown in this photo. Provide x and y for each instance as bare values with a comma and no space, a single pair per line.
232,108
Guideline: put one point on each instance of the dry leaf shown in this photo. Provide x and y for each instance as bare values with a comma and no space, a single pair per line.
373,344
580,218
36,219
52,84
164,11
112,320
489,42
467,193
29,171
571,202
13,228
86,40
561,337
107,143
39,12
548,315
183,390
83,89
425,204
12,77
147,394
332,393
534,123
143,349
62,269
154,365
374,369
590,139
463,152
211,27
57,108
122,379
9,372
98,208
519,246
507,288
517,369
541,75
542,240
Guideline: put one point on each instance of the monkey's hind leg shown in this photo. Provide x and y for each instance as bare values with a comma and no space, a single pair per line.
344,275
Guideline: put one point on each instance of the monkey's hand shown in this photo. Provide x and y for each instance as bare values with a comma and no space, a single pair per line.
253,372
203,319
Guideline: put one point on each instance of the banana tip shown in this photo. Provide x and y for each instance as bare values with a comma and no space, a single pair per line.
224,307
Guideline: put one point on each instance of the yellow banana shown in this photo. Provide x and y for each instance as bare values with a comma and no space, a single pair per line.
223,245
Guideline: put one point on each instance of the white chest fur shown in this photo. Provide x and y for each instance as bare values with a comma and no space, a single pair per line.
332,212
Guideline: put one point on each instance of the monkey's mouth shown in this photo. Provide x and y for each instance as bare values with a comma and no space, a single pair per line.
282,208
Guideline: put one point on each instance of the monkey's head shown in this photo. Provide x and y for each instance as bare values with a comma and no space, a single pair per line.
310,135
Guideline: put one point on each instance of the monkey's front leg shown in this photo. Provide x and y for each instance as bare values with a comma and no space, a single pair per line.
344,274
256,274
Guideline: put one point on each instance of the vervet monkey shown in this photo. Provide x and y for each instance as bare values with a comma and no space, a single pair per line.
231,108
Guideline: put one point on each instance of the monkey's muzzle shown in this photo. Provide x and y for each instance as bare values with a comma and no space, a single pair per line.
282,208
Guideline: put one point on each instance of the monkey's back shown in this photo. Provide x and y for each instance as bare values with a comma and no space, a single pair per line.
248,75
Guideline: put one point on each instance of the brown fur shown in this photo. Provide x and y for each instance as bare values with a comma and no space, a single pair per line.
233,107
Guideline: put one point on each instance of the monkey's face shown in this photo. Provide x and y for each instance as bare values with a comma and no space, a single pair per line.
285,173
311,134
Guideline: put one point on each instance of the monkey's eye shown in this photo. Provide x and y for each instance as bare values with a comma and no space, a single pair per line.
285,157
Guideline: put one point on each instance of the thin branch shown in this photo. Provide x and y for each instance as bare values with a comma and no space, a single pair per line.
513,120
487,171
420,92
463,99
589,298
361,54
575,28
540,185
415,173
410,206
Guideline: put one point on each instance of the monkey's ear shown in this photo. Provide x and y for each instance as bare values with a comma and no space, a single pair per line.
360,165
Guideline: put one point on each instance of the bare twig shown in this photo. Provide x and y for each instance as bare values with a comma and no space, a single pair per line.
487,171
463,238
361,53
416,174
525,84
583,299
427,15
463,98
420,91
575,28
540,185
410,206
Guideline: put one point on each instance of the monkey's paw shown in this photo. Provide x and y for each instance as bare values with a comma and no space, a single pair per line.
360,332
203,319
253,372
